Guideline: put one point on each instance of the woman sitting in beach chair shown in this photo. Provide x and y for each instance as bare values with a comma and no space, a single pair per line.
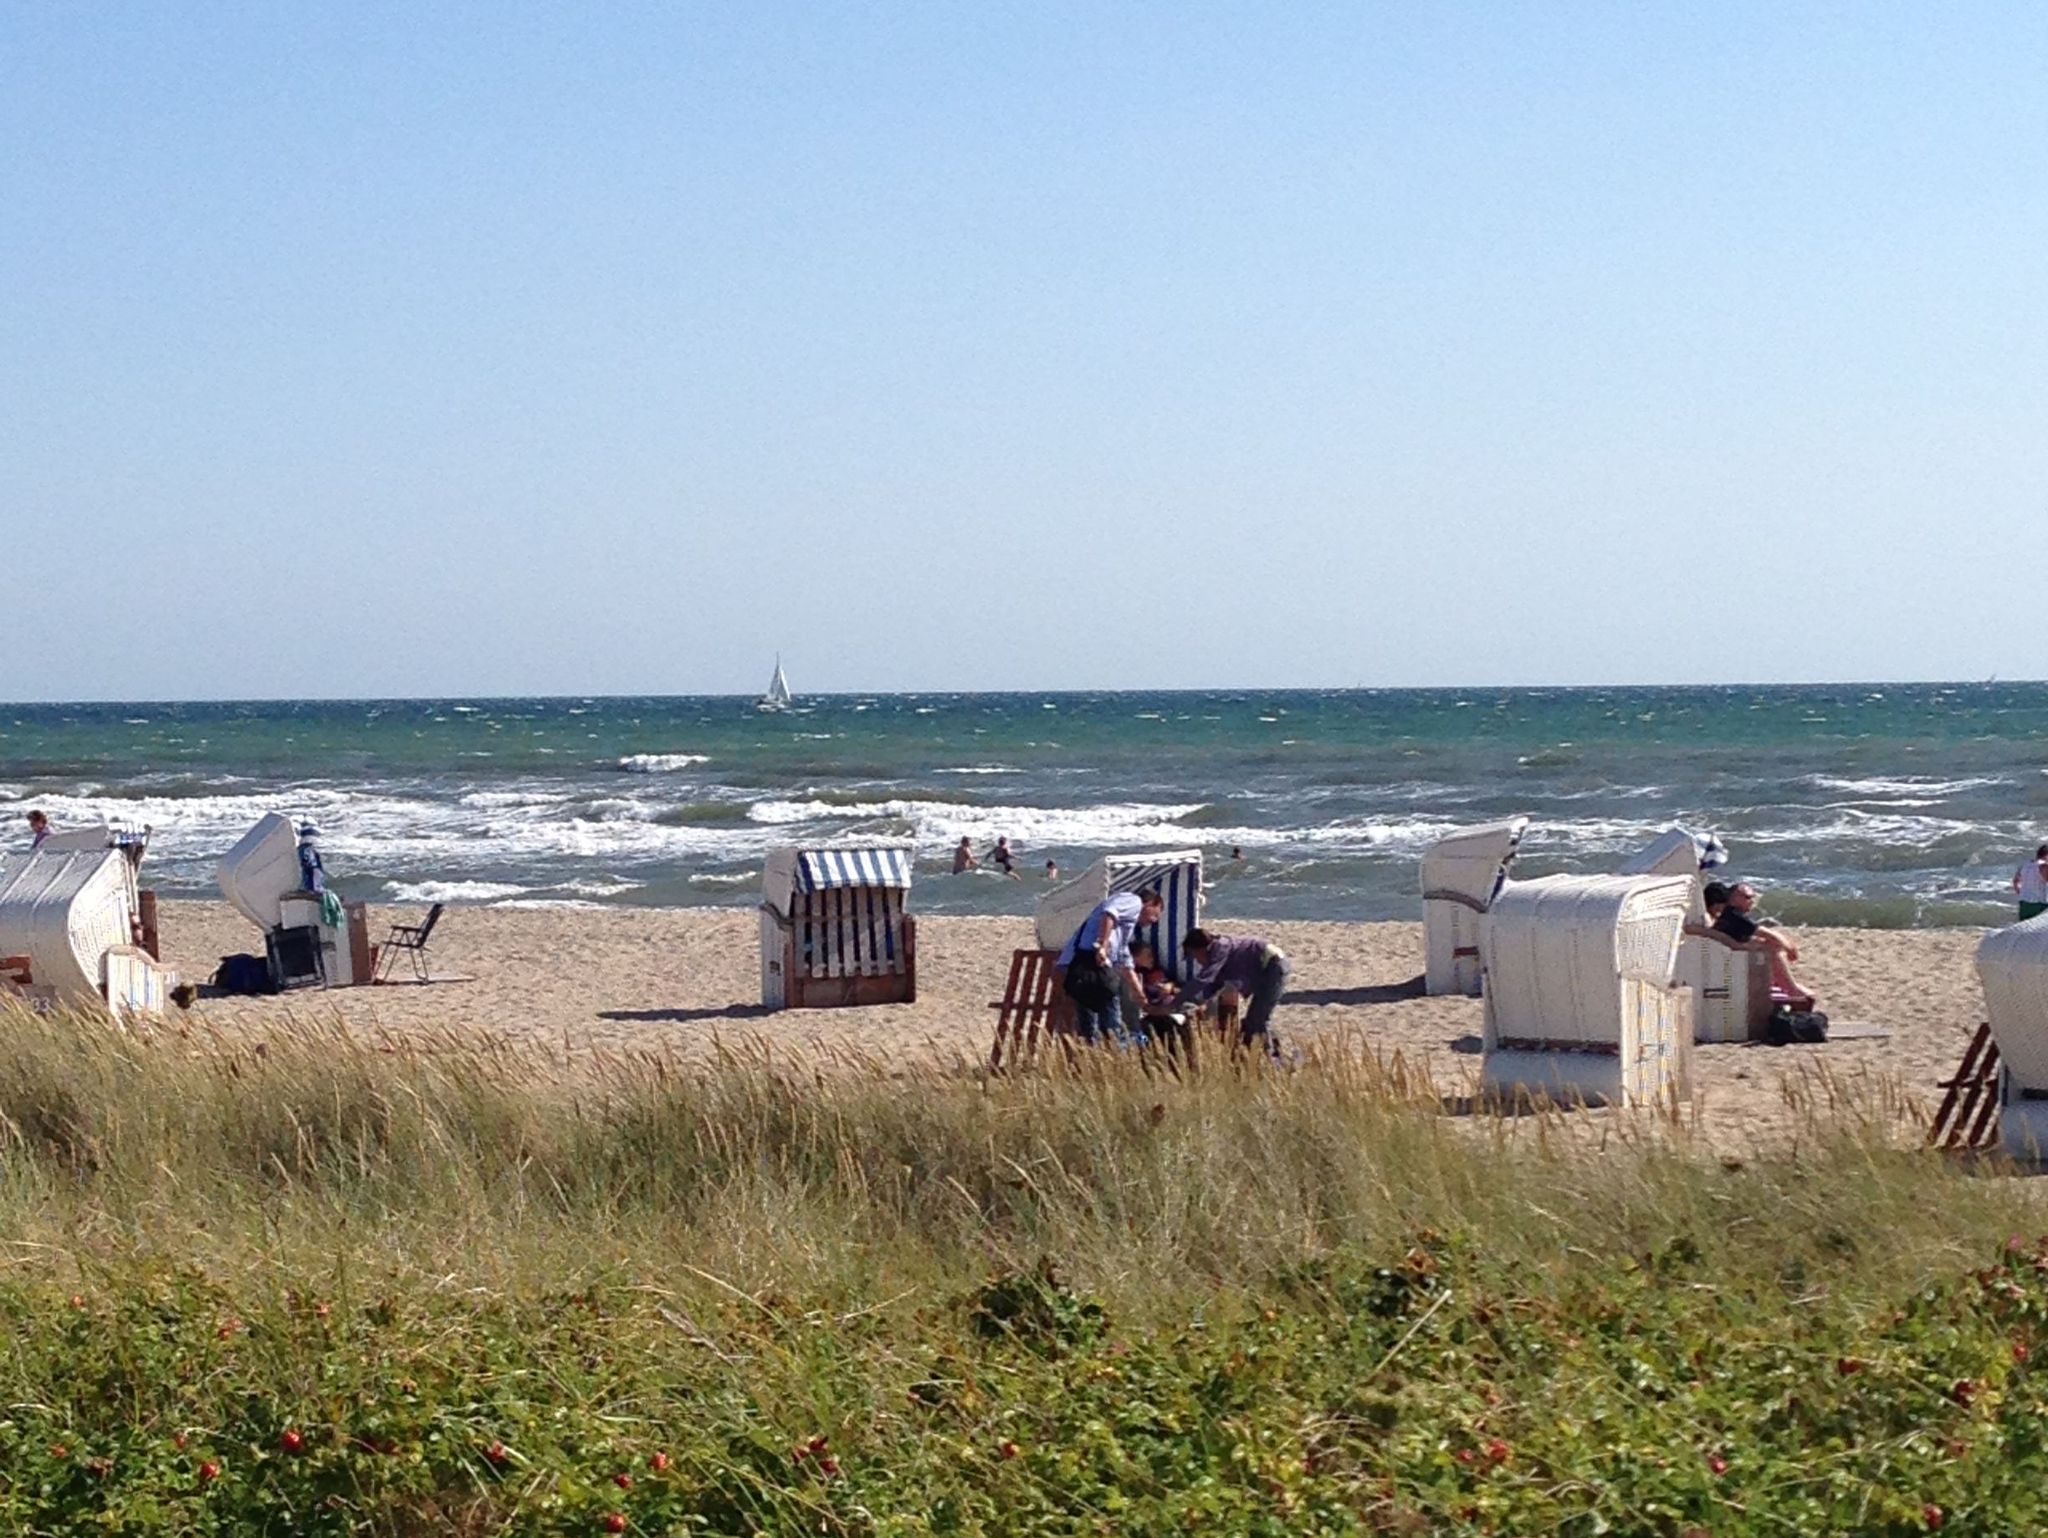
1735,921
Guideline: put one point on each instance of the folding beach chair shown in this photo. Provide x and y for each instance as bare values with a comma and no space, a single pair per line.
411,938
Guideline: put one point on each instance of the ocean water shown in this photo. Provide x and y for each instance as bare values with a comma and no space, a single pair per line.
1883,805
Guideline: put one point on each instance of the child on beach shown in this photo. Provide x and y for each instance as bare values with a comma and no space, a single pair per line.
1159,989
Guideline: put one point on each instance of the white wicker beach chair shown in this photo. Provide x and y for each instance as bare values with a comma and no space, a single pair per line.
2012,967
1460,875
1177,874
64,913
833,927
1731,985
1581,998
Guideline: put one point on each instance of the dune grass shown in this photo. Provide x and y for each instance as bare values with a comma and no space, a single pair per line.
309,1285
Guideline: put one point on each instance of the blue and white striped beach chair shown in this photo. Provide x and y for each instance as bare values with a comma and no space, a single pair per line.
1177,874
833,927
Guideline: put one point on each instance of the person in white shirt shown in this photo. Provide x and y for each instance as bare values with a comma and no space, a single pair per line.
1095,967
2030,885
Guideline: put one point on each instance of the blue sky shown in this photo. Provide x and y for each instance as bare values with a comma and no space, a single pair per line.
518,349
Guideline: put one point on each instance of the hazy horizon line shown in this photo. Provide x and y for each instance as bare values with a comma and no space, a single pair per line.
1209,690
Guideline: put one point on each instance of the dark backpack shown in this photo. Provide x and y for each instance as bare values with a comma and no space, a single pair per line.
1788,1026
243,974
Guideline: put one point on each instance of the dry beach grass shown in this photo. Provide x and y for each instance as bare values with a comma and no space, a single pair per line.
289,1273
683,983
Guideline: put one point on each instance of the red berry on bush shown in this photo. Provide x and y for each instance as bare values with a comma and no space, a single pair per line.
1497,1451
658,1462
77,1300
1931,1515
495,1453
1963,1391
2019,1351
1464,1455
1006,1449
623,1481
293,1441
829,1467
1847,1365
815,1445
1718,1465
209,1471
179,1440
59,1450
615,1521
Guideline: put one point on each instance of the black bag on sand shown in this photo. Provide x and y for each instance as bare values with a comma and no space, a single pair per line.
243,974
1807,1027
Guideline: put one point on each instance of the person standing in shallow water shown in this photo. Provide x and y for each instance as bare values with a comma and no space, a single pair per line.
39,829
2030,885
963,857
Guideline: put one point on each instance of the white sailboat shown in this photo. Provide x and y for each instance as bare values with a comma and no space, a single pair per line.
778,696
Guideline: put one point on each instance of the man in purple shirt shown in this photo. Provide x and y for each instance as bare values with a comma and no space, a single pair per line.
1252,968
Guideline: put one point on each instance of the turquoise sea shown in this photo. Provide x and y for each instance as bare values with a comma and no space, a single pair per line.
1875,804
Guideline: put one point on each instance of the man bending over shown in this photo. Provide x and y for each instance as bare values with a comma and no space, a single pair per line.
1095,966
1253,969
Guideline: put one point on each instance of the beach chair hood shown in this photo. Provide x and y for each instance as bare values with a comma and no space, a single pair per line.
827,867
2012,967
1467,865
63,911
1556,950
1679,852
262,870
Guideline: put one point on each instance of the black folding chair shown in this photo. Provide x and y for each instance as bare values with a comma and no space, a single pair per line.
411,938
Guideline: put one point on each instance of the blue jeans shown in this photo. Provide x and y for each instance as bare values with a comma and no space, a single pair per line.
1103,1024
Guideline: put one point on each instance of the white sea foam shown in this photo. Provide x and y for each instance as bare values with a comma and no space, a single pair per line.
545,902
979,769
451,891
1905,784
492,799
602,886
945,822
661,763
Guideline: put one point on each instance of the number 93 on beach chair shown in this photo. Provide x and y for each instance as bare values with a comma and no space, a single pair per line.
833,927
1582,1001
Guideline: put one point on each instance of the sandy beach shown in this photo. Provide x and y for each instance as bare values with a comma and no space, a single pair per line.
679,982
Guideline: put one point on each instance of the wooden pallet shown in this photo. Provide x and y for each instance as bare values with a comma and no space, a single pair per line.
1968,1117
